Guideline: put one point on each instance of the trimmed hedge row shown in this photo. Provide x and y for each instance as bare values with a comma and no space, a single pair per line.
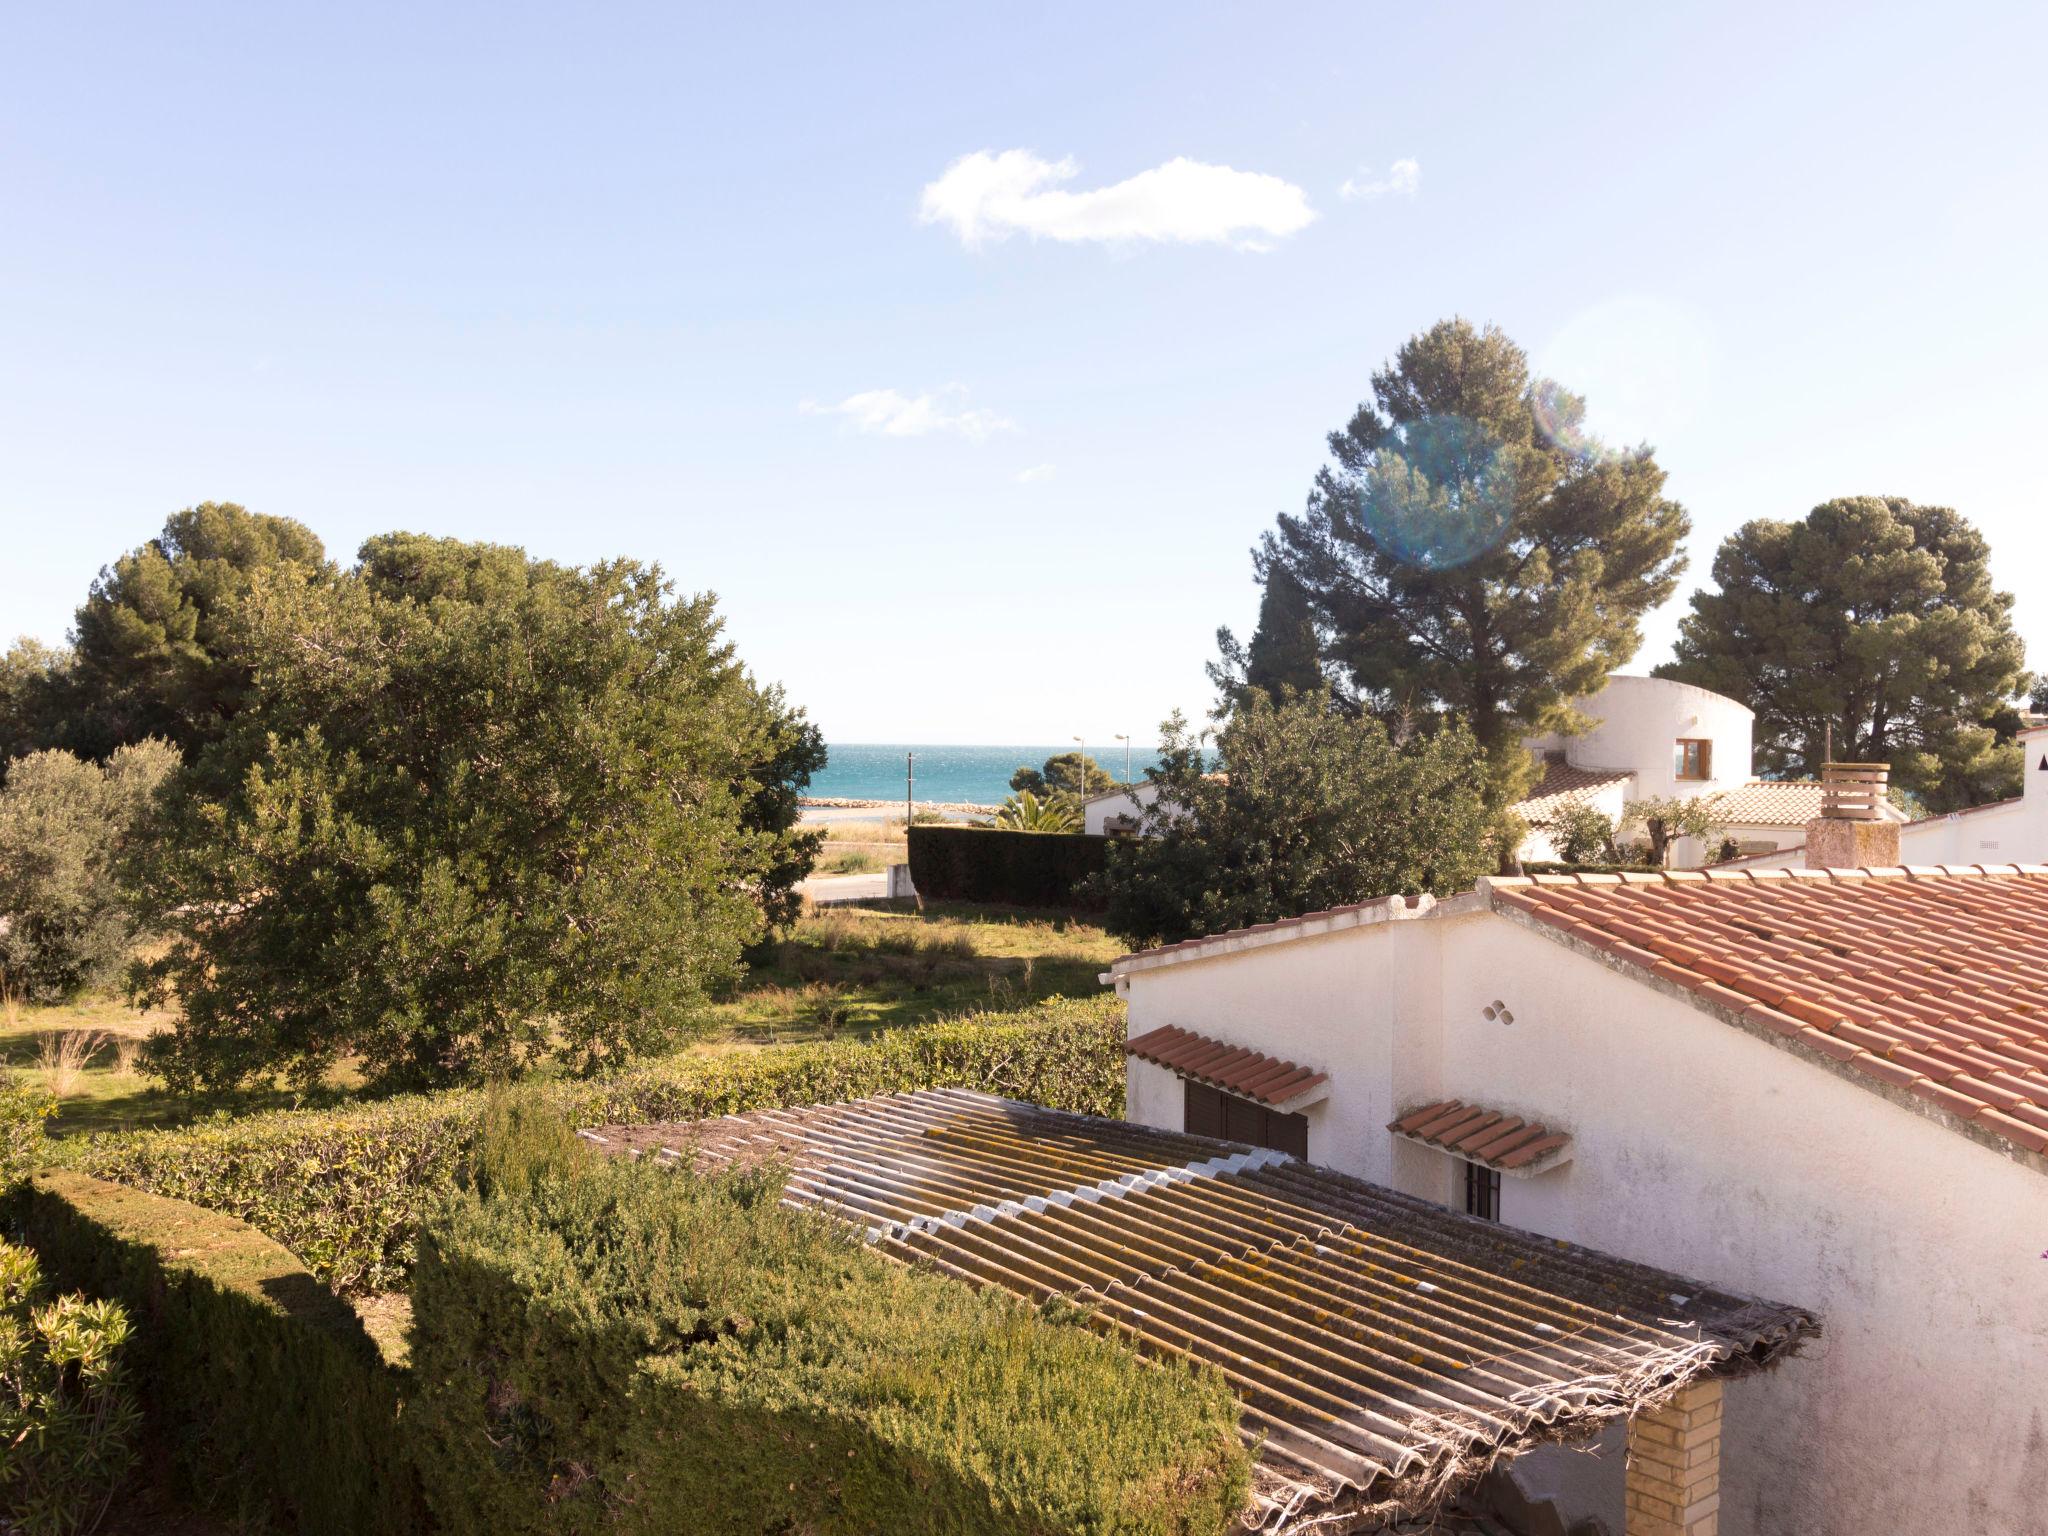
262,1396
346,1189
1019,869
609,1345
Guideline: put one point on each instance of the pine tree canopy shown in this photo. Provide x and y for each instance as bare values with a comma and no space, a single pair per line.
1472,550
1876,618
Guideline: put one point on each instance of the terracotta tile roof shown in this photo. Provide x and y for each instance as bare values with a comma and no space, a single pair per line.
1563,786
1770,803
1480,1135
1232,1068
1933,982
1380,1345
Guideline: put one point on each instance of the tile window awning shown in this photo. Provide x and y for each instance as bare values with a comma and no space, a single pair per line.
1479,1135
1234,1069
1383,1349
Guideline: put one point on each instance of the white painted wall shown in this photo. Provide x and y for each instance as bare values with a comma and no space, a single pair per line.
1636,722
1703,1150
1096,814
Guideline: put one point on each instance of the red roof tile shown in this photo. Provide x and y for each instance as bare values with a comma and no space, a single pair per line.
1233,1069
1480,1135
1931,981
1563,786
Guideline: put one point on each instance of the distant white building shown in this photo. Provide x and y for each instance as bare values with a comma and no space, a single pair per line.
1115,812
1652,738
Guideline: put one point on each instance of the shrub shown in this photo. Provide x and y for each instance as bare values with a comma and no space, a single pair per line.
347,1189
67,1414
24,1144
262,1395
1019,869
65,923
600,1344
1582,834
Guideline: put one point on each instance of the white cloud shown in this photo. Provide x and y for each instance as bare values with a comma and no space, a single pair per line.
891,413
1403,179
1034,474
987,196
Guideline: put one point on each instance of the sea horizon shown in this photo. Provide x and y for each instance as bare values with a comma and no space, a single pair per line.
950,773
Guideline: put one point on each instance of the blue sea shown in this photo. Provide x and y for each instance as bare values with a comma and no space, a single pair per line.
949,775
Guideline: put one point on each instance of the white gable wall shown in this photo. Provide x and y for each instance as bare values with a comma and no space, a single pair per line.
1700,1149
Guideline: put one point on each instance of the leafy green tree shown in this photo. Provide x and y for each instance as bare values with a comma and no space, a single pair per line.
1876,618
1025,812
1664,819
2040,700
148,639
64,825
38,700
1316,808
428,570
483,811
1064,773
1473,552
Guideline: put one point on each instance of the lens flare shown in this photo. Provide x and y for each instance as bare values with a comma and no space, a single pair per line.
1439,498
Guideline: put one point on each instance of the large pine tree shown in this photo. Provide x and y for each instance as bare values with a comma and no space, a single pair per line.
1472,551
1876,620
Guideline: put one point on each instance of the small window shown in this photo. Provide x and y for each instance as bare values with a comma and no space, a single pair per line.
1482,1192
1693,760
1208,1112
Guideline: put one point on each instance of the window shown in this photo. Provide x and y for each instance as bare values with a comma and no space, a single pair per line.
1209,1112
1693,760
1482,1192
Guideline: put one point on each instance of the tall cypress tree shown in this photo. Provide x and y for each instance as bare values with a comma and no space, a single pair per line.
1472,551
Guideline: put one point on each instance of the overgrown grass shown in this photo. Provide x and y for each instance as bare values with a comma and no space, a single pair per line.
858,969
846,971
86,1053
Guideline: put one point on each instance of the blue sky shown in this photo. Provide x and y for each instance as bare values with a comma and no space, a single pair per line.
983,462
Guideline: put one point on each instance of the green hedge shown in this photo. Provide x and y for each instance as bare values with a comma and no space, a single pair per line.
346,1189
262,1395
608,1345
1019,869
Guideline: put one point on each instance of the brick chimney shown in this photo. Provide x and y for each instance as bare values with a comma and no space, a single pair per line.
1851,831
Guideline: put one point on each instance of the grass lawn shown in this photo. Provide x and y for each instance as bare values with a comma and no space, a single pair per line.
844,971
96,1081
851,970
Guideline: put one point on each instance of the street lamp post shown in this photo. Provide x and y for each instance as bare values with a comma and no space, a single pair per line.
1081,770
1126,740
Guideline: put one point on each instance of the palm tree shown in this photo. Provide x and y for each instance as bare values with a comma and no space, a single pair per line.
1025,812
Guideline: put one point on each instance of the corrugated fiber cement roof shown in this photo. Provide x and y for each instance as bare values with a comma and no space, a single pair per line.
1382,1346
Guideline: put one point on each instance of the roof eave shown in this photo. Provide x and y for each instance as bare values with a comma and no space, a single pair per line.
1794,1044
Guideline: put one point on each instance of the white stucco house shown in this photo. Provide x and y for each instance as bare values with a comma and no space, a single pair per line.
1115,812
1118,812
1652,738
1826,1084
